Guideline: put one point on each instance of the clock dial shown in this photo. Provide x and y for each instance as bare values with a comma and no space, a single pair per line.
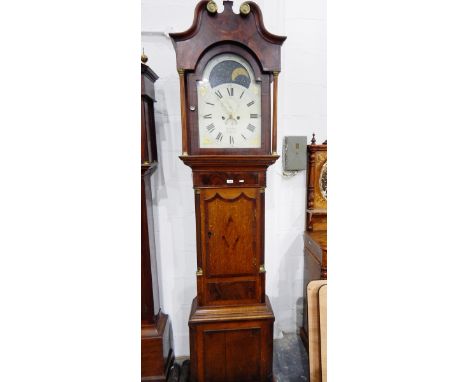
323,181
229,104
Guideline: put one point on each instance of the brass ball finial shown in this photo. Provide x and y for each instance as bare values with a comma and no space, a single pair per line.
244,9
212,7
144,57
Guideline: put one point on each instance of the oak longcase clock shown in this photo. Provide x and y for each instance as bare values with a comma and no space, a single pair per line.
157,353
228,66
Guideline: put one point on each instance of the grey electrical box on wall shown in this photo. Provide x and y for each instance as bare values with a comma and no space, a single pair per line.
294,153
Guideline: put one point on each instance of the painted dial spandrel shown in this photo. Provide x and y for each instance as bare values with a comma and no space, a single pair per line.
229,104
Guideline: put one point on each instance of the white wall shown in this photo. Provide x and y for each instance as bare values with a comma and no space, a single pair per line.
302,110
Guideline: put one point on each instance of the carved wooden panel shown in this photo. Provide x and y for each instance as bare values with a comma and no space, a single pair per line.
231,232
211,29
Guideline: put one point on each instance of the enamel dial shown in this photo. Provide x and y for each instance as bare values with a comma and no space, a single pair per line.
229,104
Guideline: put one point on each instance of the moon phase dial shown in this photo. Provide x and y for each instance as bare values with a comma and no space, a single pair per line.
229,71
229,104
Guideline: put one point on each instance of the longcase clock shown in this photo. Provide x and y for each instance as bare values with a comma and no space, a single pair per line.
228,66
156,342
315,235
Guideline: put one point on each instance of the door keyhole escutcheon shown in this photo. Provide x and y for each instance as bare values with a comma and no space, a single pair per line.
209,234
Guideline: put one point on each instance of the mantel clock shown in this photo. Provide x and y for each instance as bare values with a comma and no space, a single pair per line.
228,66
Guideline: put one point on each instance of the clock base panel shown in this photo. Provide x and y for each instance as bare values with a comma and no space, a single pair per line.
157,354
231,343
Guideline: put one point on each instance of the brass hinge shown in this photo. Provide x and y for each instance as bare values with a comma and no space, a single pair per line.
199,271
262,269
262,190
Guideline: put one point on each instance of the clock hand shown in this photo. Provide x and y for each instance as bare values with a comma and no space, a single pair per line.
237,107
230,108
225,107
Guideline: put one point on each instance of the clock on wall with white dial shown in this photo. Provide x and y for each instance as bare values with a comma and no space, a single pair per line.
229,104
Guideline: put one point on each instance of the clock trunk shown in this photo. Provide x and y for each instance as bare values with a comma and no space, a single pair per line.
231,322
231,230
